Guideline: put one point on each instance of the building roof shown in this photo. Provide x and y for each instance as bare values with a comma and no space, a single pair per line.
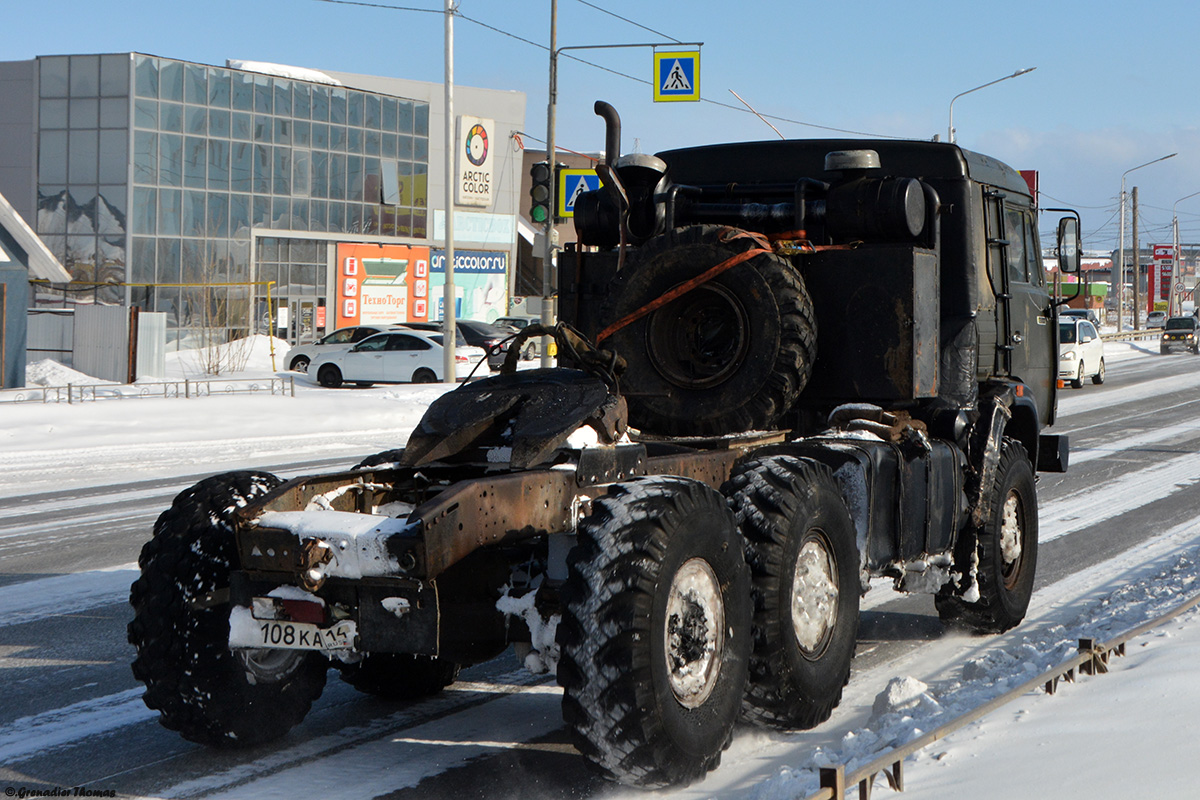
38,259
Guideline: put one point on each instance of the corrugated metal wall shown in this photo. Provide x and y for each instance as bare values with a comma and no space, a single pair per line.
101,342
50,335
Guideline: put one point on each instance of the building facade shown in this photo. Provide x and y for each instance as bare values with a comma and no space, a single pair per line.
256,198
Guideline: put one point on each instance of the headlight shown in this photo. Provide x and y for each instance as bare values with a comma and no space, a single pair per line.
1070,355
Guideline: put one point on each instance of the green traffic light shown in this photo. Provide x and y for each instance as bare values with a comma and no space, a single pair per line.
538,213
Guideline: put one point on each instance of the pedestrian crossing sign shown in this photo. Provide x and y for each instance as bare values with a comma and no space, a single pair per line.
677,76
571,184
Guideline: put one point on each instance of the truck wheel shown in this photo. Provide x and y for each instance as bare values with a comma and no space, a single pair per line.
1077,381
1098,378
201,688
803,556
1001,556
395,676
731,355
655,632
330,377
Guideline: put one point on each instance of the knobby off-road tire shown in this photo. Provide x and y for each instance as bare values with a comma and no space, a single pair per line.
1002,553
380,459
200,688
803,556
395,676
655,632
732,354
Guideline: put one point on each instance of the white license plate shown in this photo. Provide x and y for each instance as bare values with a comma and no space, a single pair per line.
246,631
305,636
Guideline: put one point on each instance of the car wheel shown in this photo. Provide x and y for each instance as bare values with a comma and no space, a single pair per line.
330,377
299,364
1098,378
1077,383
424,375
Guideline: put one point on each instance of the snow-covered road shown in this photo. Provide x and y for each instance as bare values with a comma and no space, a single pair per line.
1135,478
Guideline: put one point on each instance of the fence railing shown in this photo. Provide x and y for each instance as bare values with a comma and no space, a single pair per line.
187,388
1092,659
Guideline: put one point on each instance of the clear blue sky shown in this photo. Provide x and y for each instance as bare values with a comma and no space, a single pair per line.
1115,84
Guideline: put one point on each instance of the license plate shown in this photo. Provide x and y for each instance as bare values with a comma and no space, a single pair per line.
305,636
246,631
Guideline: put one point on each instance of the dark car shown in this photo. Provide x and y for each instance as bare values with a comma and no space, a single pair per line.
1081,313
477,334
1183,332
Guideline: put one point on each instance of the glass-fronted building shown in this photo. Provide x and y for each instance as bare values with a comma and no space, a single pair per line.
200,190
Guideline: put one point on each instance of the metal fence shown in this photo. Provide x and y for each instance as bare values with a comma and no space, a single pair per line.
1092,659
187,388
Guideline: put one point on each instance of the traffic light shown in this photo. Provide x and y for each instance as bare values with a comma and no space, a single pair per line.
539,191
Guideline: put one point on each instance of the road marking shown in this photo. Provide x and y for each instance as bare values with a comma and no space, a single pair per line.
48,730
65,594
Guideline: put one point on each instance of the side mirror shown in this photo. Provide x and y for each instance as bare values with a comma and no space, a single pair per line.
1069,249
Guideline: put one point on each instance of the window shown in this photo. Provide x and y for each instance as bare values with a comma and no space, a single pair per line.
400,341
373,344
1014,232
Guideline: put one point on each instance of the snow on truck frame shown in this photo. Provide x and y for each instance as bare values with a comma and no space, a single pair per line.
790,367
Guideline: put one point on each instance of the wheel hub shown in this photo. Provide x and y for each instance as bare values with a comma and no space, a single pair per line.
814,597
269,666
1010,538
700,339
695,632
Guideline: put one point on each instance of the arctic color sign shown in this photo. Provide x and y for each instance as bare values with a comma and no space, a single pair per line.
476,148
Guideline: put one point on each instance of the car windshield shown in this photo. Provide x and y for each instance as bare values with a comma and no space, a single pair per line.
1066,332
1181,323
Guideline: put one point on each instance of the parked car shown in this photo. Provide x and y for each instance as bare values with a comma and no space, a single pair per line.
1156,319
299,357
396,356
1081,313
1080,351
1183,332
517,322
477,334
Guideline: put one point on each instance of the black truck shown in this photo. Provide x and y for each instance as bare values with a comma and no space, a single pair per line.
786,368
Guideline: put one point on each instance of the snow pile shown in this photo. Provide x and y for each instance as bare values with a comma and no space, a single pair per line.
48,372
250,357
283,71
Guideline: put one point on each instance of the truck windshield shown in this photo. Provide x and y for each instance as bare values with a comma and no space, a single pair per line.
1181,323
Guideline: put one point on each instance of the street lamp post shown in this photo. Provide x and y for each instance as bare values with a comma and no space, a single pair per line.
1016,74
1177,272
1121,246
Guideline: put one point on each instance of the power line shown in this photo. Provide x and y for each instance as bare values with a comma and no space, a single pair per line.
642,81
631,22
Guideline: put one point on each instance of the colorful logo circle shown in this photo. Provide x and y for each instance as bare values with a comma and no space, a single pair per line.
477,145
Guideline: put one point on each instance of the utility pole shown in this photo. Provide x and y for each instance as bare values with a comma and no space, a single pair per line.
548,276
449,324
1137,269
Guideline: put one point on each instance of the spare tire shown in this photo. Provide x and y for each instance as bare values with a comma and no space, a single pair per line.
730,355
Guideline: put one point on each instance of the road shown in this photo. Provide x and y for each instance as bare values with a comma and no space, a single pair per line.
72,714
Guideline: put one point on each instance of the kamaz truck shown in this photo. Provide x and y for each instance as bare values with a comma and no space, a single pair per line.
786,369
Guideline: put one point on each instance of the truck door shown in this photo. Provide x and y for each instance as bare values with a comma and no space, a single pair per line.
1026,339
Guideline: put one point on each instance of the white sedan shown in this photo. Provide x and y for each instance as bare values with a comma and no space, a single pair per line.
1080,351
300,356
397,356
